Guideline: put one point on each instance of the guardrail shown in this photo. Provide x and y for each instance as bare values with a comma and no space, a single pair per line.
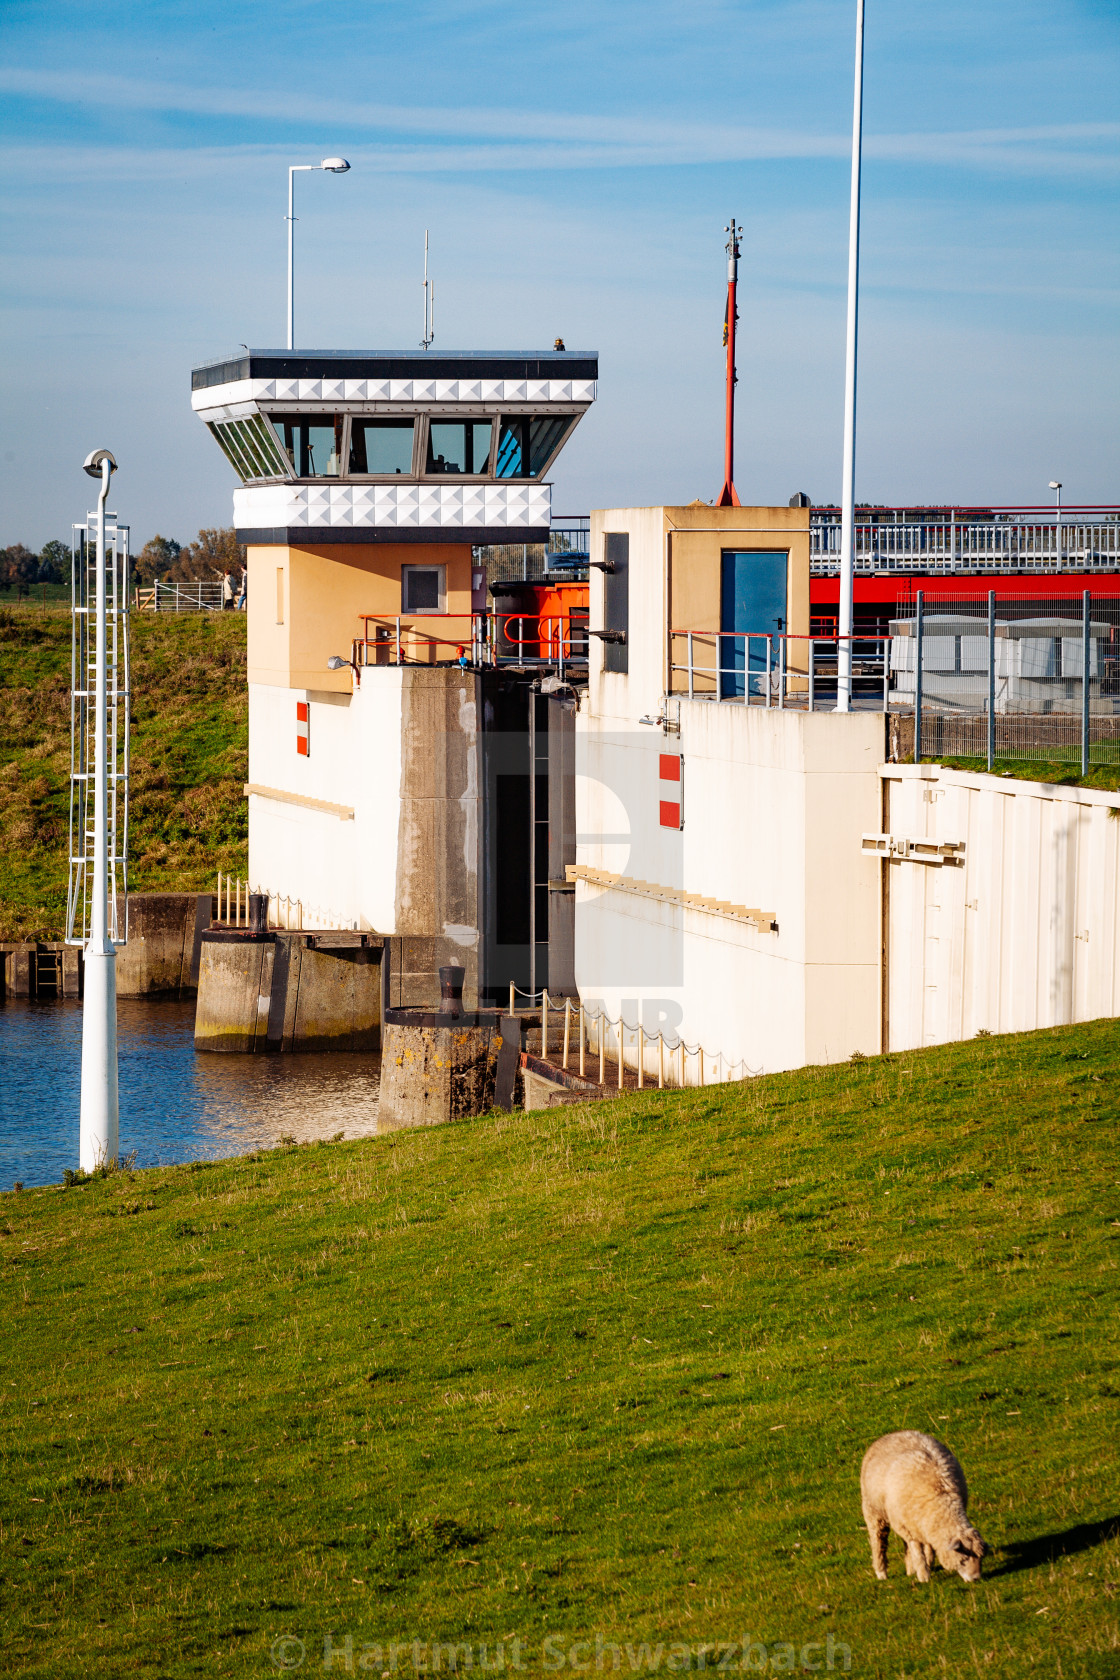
584,1034
798,673
196,596
479,638
954,540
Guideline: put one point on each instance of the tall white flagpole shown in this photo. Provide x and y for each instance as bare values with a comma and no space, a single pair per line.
99,1130
848,516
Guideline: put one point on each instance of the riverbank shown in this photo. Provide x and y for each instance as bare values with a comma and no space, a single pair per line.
188,814
583,1373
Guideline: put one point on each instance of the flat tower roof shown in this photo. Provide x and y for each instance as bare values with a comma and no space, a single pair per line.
397,364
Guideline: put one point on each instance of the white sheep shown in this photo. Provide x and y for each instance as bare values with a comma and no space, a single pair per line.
913,1484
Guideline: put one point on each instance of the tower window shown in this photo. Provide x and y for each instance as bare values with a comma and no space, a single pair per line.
381,446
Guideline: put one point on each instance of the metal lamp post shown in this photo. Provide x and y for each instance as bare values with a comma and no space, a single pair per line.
100,1113
848,517
333,166
1056,486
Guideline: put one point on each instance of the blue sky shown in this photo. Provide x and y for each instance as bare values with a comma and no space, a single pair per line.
576,166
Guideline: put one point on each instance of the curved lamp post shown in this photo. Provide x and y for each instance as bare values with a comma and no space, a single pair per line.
333,166
100,1113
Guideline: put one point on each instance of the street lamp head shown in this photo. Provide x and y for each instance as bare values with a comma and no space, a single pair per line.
94,460
337,166
1055,484
337,663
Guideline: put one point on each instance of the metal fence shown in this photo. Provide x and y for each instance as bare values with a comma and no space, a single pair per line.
195,596
949,540
1011,679
567,550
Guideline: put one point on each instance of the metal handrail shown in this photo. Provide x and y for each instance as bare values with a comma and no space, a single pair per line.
962,540
539,638
776,679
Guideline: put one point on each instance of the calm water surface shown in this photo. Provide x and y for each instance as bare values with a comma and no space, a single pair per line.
176,1105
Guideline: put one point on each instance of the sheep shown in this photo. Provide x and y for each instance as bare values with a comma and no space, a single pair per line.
913,1484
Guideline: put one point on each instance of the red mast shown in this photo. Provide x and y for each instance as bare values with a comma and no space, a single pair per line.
728,496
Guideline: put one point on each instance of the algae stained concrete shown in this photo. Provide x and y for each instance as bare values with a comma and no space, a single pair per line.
433,1074
234,990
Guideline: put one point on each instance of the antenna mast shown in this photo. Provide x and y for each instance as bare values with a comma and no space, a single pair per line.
429,303
728,496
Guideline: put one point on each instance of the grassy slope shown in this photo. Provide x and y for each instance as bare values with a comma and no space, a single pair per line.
189,756
591,1369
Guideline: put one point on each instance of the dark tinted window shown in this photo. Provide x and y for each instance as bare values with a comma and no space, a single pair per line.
312,443
381,446
616,599
527,444
459,446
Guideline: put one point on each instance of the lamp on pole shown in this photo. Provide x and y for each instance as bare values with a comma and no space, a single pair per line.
1056,486
848,516
99,1126
333,166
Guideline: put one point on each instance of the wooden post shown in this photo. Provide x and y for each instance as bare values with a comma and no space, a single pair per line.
641,1057
661,1061
602,1047
582,1040
512,1004
621,1051
701,1064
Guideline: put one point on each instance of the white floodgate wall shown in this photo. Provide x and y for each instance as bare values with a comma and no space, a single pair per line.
1025,931
340,863
773,807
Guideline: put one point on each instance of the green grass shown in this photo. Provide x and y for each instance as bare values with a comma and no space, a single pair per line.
604,1370
189,759
1105,777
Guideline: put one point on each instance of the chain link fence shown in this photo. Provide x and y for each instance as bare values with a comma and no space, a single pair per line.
1013,678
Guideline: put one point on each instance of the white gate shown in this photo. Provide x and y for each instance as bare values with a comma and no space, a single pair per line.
1002,905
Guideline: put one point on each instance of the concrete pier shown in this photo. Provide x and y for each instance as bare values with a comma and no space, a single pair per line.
278,991
162,935
430,1073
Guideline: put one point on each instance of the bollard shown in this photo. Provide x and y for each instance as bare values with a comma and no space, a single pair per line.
451,991
258,912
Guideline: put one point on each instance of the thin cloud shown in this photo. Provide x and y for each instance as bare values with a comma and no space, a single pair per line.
509,140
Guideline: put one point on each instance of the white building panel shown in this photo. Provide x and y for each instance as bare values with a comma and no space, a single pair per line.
1024,933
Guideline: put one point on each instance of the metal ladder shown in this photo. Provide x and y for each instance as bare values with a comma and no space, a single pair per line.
83,664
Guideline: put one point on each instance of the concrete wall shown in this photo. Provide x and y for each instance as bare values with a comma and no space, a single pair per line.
774,806
297,623
773,802
378,825
288,994
1025,932
161,936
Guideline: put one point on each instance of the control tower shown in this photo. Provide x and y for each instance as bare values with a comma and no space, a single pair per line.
367,480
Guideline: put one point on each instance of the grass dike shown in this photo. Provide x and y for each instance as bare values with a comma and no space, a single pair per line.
540,1386
188,814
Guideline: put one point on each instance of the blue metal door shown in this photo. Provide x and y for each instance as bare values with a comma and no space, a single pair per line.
752,605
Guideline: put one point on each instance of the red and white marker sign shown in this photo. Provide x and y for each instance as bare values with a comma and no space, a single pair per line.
302,727
672,808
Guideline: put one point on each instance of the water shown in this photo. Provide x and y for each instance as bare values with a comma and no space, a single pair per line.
175,1104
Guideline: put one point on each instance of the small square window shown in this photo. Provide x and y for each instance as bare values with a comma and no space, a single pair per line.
423,589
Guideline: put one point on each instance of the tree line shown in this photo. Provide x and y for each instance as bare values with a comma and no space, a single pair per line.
214,552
